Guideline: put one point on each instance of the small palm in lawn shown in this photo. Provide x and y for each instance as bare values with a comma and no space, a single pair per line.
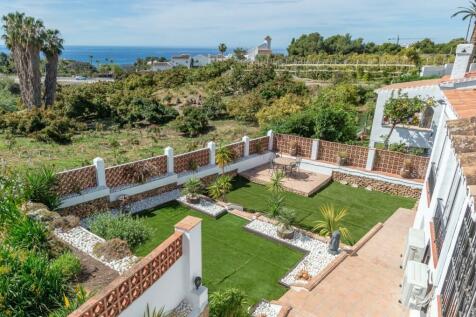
223,157
276,184
468,13
332,221
220,187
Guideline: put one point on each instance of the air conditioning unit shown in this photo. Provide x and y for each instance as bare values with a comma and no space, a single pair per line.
415,247
415,285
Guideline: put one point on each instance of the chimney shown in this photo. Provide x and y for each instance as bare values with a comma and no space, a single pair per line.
464,52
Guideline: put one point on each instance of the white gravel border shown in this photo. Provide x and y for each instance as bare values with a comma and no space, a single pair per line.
267,309
314,262
205,206
85,241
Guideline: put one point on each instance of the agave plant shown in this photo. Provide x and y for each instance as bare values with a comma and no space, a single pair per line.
276,184
332,221
155,312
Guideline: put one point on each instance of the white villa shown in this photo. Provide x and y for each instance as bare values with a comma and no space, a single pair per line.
421,132
263,49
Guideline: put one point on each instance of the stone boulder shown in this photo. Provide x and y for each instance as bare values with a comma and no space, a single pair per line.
114,249
65,223
39,212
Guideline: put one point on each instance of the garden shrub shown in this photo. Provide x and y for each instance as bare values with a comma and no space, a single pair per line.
40,187
192,122
27,234
123,226
29,285
68,264
214,107
114,249
228,303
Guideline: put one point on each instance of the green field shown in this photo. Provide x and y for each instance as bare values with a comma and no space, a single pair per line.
232,257
365,208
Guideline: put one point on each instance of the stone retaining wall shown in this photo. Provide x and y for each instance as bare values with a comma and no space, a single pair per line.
377,185
86,209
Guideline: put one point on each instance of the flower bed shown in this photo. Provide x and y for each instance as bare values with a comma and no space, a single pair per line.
85,241
205,206
314,262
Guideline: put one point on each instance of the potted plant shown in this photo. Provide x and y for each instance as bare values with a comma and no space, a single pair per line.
192,190
286,219
342,158
406,170
293,148
192,165
258,148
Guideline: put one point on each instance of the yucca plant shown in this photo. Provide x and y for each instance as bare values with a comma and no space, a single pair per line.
39,187
220,187
332,221
228,303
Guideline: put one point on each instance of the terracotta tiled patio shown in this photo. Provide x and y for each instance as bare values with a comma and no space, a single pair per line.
366,284
300,182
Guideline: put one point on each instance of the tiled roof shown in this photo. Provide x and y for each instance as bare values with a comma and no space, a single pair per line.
462,133
463,101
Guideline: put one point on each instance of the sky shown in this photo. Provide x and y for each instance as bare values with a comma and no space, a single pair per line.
240,23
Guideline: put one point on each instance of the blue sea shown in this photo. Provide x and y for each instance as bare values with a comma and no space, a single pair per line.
127,55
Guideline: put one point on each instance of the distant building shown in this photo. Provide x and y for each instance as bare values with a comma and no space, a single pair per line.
156,66
263,49
182,60
200,60
421,130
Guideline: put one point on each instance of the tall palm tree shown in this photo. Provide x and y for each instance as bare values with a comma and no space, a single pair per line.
468,13
52,48
222,48
23,36
223,157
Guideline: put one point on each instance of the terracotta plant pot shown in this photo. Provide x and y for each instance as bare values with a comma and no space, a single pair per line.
405,172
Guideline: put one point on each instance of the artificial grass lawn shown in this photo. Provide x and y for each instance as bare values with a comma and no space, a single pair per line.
232,257
365,208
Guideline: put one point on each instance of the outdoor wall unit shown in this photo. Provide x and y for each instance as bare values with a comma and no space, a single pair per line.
415,285
415,246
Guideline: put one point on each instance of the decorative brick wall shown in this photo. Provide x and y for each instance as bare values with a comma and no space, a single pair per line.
284,142
74,181
118,295
238,149
150,193
263,144
357,155
87,208
136,172
391,162
182,162
377,185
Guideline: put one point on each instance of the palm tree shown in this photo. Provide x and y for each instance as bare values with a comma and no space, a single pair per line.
223,157
468,13
332,221
52,48
276,184
220,187
23,36
222,48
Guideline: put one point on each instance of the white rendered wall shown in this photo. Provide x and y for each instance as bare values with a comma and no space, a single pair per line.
414,137
167,292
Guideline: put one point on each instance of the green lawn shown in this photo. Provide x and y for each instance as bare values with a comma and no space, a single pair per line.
232,257
365,208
